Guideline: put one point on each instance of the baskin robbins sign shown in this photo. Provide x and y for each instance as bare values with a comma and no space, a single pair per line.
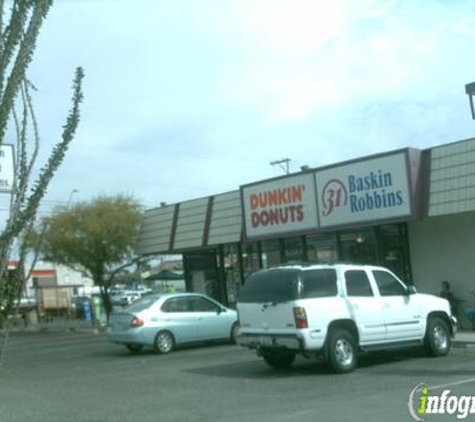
375,189
279,206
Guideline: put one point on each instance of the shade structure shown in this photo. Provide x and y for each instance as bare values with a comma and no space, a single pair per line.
165,275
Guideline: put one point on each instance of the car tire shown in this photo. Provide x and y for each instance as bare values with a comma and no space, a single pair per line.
278,359
134,348
437,339
234,332
342,352
164,342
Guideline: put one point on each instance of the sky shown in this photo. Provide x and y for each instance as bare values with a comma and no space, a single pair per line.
191,98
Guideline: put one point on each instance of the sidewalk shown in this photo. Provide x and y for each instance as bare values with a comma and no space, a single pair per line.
73,325
464,338
59,325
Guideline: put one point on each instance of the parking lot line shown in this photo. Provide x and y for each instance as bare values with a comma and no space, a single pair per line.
451,384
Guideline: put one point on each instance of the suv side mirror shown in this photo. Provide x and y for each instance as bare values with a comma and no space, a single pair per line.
411,290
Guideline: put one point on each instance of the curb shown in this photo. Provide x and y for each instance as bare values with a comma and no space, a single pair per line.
463,344
44,330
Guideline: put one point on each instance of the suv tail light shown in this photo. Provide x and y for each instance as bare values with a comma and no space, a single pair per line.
136,322
300,317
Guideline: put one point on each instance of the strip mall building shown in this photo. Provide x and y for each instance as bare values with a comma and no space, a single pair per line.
410,210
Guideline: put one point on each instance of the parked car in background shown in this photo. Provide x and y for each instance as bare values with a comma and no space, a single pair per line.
164,321
124,297
142,289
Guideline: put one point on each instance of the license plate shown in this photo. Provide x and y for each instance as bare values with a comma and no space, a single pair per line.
265,341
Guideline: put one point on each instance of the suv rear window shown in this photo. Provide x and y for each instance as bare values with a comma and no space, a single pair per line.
270,286
319,283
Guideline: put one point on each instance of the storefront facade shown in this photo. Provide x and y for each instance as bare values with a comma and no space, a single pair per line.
390,209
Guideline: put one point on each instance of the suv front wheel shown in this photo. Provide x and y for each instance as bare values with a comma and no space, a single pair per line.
342,351
437,340
278,359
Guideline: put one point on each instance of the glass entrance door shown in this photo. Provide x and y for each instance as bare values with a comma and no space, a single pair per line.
201,272
384,245
394,250
359,246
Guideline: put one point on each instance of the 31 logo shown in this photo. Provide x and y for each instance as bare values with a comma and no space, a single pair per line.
334,195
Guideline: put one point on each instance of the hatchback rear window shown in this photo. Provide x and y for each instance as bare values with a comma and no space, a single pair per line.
319,283
270,286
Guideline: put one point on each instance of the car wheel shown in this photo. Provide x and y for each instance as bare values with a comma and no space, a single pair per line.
278,359
164,342
234,332
437,340
134,348
342,351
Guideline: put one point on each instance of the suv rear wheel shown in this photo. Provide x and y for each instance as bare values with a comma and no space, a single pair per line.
437,340
278,359
342,351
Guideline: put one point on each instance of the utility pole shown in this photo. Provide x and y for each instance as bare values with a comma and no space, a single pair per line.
283,164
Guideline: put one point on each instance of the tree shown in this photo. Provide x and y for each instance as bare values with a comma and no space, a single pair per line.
95,238
19,30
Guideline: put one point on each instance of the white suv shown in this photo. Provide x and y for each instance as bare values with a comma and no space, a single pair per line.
335,311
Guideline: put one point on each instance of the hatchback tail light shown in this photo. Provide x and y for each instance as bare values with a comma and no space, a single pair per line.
136,322
300,317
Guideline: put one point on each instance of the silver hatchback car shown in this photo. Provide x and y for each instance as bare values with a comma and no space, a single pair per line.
166,320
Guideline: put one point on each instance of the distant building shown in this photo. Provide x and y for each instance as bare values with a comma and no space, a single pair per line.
53,286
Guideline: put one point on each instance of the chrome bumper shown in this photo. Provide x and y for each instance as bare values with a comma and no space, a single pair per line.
453,325
257,341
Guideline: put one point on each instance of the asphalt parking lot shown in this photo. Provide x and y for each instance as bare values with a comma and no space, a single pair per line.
80,377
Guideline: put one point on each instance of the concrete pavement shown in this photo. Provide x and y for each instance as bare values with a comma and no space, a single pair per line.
60,376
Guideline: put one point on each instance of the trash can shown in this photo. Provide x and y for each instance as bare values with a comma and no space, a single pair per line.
87,311
98,310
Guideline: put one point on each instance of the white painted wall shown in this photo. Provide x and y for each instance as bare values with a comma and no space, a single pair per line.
443,248
64,275
67,276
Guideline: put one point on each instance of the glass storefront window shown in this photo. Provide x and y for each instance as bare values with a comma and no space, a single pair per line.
293,249
359,246
217,273
393,249
322,248
250,259
270,250
232,273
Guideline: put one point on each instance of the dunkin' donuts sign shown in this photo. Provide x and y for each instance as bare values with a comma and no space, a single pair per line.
280,206
365,191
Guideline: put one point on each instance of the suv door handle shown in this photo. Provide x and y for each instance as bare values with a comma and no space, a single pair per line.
386,305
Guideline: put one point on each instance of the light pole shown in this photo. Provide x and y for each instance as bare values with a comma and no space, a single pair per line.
470,91
71,197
